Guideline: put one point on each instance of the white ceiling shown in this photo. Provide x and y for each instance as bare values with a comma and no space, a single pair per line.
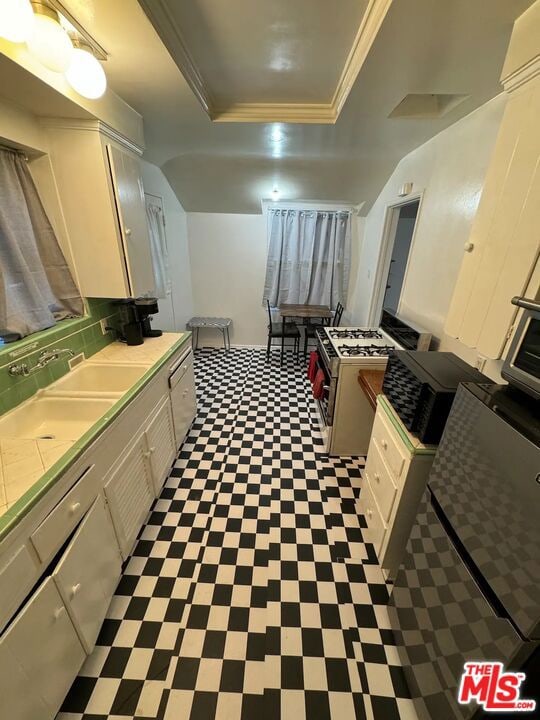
423,46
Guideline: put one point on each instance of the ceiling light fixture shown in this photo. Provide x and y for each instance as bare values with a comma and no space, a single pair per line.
48,41
16,20
85,74
277,134
275,194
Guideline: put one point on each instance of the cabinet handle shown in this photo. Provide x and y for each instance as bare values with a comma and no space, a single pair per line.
128,231
75,589
146,453
184,394
384,444
369,512
75,507
377,478
152,450
59,612
468,247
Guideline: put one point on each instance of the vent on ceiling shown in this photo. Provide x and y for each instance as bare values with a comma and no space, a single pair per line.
426,105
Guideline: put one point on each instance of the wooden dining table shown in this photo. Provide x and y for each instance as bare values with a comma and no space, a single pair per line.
288,310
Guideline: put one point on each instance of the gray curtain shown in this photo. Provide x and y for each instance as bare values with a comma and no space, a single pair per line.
309,257
36,286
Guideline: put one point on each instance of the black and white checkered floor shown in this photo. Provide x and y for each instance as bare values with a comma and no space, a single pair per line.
250,594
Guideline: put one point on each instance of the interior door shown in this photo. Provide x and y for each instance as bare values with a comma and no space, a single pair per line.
165,318
89,571
400,255
129,198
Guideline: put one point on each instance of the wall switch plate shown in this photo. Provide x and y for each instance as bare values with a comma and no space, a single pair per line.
480,362
77,360
104,325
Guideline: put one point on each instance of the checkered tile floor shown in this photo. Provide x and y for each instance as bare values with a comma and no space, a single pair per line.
250,594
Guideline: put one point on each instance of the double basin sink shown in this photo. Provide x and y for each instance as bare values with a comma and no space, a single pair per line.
65,410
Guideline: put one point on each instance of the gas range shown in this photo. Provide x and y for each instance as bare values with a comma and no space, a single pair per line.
354,345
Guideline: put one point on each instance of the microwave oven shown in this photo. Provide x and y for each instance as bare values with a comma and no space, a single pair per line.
522,365
421,387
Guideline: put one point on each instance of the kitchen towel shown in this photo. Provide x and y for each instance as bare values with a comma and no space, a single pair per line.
318,385
312,366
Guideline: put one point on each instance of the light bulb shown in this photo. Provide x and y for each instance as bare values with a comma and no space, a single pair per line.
85,75
275,194
50,43
16,20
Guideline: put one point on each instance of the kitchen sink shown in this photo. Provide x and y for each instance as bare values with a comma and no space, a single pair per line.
97,379
54,418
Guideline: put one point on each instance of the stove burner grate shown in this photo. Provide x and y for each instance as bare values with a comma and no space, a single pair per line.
365,350
355,334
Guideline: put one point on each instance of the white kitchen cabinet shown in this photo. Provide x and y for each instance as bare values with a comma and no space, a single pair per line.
100,189
161,443
40,653
394,478
88,572
130,493
183,397
502,250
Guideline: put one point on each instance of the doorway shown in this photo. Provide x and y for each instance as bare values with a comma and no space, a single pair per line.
395,251
406,221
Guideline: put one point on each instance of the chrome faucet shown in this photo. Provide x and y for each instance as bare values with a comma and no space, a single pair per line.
44,358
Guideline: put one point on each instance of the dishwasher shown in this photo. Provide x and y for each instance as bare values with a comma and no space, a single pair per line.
183,396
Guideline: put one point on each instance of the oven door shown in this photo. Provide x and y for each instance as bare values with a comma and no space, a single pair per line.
326,402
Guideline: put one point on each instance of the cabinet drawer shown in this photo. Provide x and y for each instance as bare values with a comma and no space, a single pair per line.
381,482
376,527
53,531
388,443
17,576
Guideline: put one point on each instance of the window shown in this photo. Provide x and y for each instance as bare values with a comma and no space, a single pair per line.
36,286
309,257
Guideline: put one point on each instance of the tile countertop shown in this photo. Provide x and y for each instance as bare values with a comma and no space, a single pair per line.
28,467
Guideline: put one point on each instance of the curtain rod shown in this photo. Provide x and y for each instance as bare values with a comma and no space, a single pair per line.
17,151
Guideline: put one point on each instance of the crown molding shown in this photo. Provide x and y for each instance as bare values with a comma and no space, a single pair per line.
93,126
522,75
367,32
164,23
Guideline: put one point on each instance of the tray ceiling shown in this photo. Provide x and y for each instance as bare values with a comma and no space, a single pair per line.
285,61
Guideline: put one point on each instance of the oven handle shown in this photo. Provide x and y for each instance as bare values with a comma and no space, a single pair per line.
526,303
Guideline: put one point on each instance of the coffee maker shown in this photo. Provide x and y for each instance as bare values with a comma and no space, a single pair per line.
135,315
146,307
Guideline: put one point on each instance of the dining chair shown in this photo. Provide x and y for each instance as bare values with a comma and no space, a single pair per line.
278,330
310,328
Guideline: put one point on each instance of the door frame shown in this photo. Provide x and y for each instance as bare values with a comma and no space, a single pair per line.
171,292
386,247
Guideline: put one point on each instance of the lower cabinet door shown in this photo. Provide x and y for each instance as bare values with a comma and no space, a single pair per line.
161,444
89,571
40,656
130,494
184,404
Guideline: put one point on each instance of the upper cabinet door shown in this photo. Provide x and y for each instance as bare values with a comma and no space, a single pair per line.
130,205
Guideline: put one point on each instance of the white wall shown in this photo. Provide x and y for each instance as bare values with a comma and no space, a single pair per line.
228,261
175,318
228,264
450,170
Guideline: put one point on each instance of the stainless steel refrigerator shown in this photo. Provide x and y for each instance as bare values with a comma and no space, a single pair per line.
469,586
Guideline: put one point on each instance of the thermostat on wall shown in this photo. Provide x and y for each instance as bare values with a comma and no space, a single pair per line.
405,189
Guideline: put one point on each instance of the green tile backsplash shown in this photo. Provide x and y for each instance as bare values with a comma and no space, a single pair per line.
80,335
